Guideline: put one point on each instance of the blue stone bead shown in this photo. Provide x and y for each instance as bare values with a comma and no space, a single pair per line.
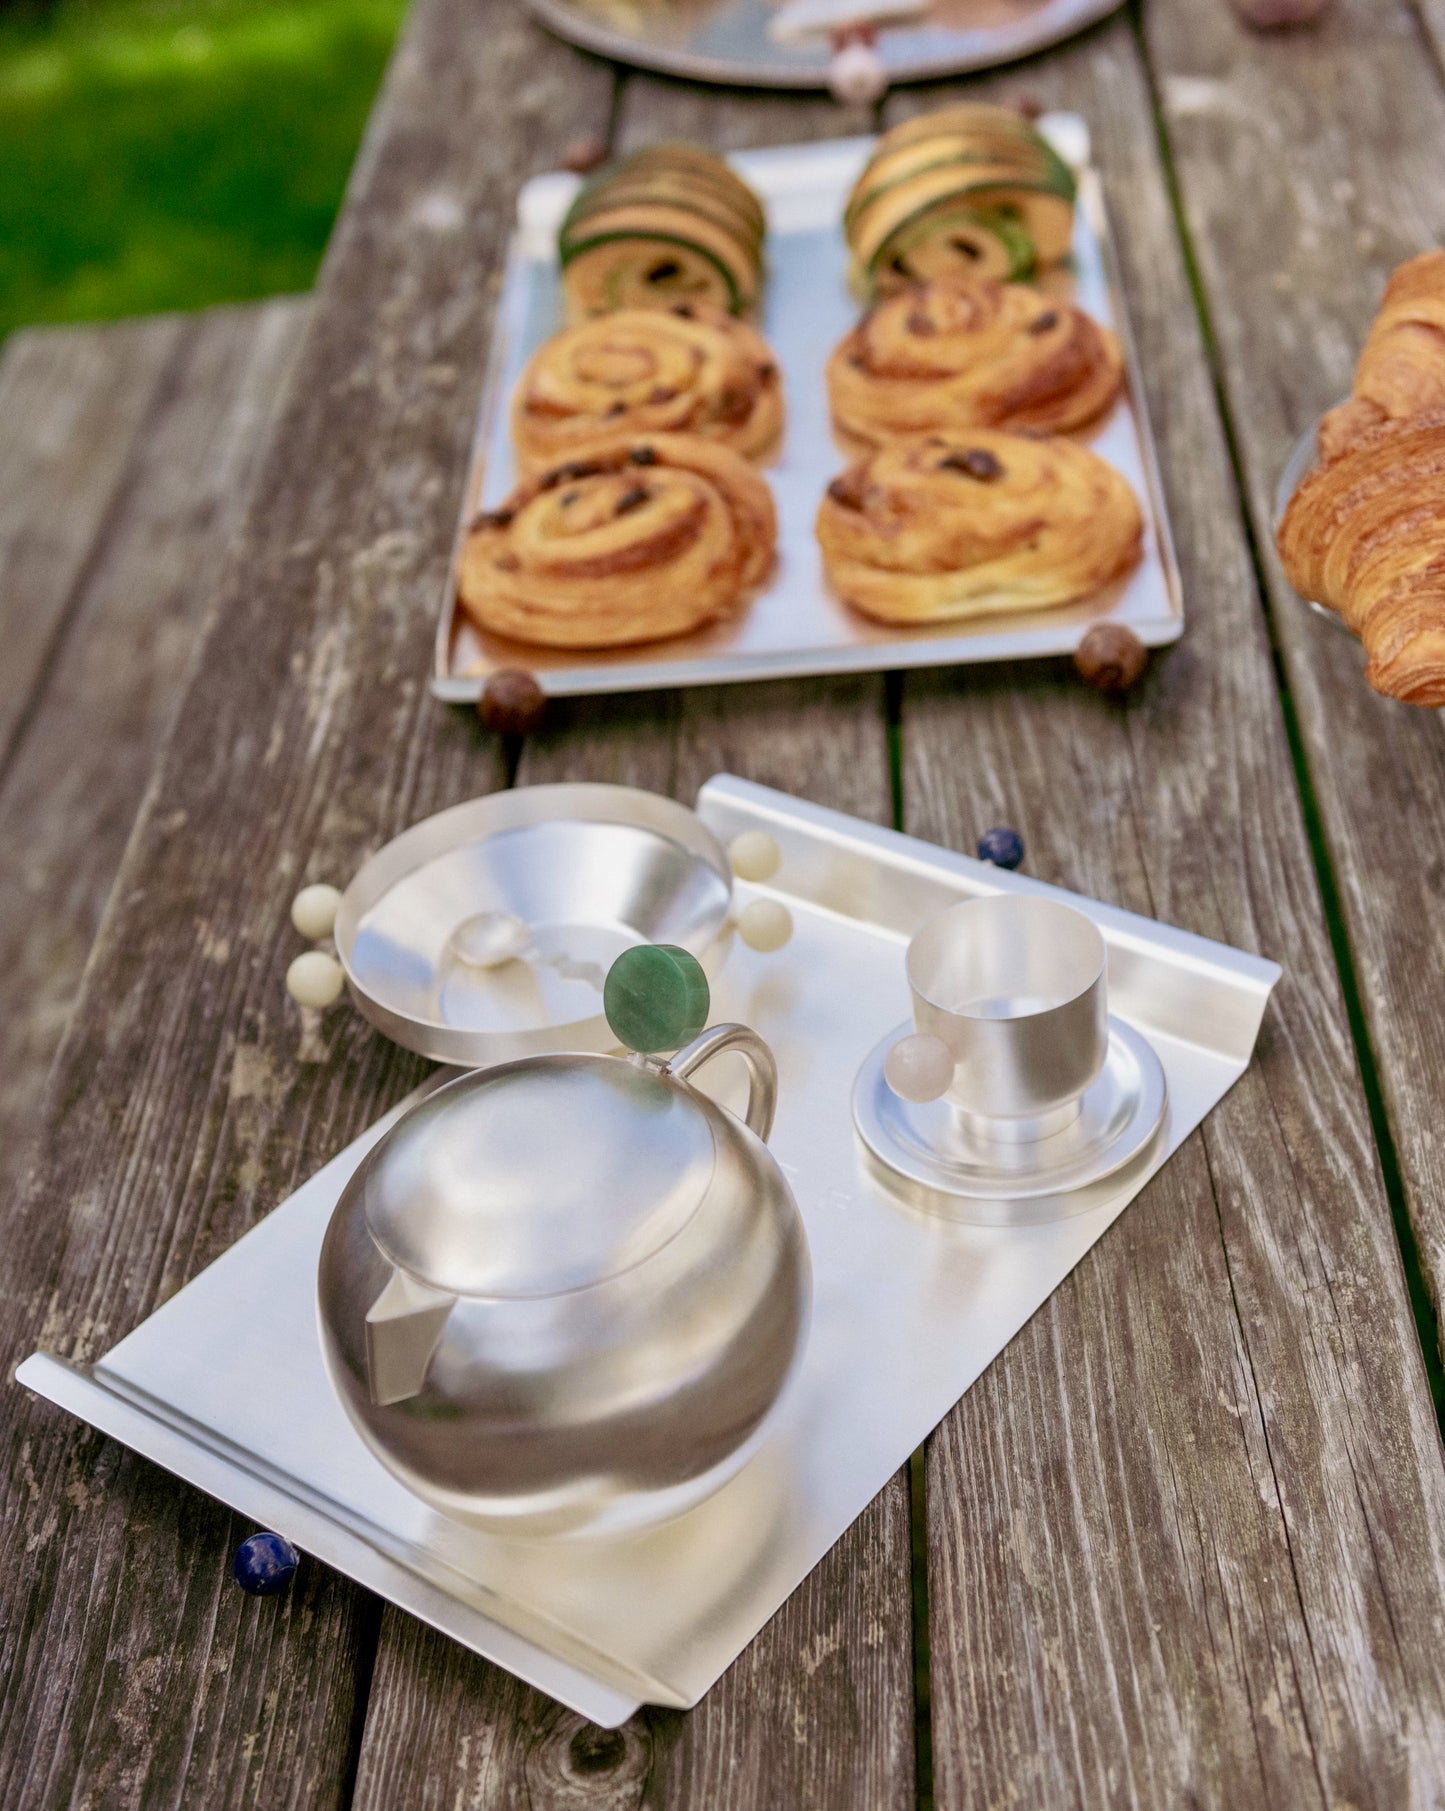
265,1564
1003,847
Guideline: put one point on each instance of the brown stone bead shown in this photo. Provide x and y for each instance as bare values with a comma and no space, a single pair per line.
512,703
584,154
1110,658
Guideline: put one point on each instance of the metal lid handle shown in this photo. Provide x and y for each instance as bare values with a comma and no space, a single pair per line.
762,1070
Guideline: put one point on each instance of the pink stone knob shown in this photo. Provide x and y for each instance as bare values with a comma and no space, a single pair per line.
856,76
919,1068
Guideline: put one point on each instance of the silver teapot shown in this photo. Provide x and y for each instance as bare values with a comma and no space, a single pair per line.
564,1293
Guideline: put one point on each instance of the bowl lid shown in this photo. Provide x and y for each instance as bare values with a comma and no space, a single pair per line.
538,1177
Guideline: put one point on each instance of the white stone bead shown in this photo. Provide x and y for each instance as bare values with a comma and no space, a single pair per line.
490,939
856,75
315,979
754,855
313,911
919,1067
765,925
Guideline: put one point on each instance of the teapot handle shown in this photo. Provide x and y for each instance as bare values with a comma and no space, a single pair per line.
762,1070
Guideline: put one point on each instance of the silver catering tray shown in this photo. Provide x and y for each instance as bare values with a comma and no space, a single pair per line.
797,626
745,41
908,1308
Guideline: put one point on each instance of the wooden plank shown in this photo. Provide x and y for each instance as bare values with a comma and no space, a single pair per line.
189,1096
818,1711
1187,1535
82,409
1347,185
77,771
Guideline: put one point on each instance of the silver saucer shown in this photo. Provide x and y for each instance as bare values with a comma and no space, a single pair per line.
947,1167
1304,457
589,870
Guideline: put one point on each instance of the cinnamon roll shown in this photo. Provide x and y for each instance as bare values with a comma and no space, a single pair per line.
960,525
687,370
641,539
963,353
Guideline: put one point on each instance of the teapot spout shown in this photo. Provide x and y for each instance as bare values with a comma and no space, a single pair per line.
403,1329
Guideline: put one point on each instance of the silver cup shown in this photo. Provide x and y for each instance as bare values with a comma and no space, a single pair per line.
1015,988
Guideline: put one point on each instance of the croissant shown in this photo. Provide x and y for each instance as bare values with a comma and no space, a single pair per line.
1365,535
954,526
1401,372
964,352
639,540
688,370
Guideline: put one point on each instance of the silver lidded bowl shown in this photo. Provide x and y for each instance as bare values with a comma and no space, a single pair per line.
563,1294
584,870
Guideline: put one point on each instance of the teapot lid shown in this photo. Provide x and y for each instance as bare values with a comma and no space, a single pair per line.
538,1177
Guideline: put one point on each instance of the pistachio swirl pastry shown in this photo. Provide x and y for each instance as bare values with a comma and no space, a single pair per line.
670,223
961,525
688,370
971,190
641,539
965,352
1365,535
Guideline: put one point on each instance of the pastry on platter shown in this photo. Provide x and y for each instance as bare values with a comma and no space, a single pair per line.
690,369
967,352
641,539
1401,372
959,525
1365,535
670,223
972,190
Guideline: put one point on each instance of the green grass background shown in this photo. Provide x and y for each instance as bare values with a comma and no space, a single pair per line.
159,154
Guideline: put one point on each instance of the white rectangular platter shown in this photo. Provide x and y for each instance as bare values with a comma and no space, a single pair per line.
908,1309
797,625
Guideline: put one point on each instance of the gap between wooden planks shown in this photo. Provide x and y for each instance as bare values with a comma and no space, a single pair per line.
183,1104
125,455
1047,1699
818,1711
180,1112
1178,1532
1344,127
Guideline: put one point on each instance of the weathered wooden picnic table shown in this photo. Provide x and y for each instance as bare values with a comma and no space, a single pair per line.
1184,1543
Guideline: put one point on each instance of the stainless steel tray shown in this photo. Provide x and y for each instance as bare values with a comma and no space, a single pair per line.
908,1308
739,40
797,625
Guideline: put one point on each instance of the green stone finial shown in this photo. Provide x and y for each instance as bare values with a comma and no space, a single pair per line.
655,998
